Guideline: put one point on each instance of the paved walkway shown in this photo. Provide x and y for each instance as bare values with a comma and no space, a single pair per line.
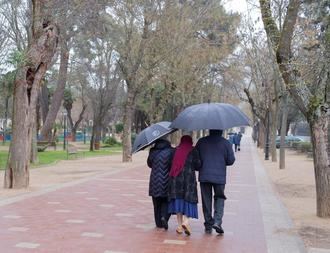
113,213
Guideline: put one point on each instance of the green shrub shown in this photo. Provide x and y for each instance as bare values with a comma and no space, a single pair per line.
295,145
305,147
119,127
110,142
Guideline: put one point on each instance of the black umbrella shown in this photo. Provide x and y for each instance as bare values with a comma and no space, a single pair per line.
210,116
150,134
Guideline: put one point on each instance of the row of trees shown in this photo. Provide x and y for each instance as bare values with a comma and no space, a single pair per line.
287,65
116,58
144,61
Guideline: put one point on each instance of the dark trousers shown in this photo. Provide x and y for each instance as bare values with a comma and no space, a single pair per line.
219,203
236,146
160,210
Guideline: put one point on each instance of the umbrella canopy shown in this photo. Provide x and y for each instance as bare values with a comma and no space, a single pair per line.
150,134
210,116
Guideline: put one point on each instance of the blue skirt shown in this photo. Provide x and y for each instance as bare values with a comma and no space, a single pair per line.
181,206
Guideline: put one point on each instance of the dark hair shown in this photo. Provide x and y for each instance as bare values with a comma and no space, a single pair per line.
215,132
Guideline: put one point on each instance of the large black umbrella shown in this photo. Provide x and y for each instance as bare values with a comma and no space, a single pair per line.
150,134
210,116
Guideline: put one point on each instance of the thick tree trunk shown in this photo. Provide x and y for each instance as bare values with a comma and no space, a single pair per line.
26,91
96,135
58,94
91,143
44,102
319,128
283,130
128,114
17,170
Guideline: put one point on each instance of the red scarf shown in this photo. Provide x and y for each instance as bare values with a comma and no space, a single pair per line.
181,153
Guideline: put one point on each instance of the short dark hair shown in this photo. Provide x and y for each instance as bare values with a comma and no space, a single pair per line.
215,132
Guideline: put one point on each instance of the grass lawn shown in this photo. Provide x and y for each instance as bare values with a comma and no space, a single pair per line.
49,157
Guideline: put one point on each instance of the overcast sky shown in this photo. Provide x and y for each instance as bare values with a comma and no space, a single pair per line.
236,5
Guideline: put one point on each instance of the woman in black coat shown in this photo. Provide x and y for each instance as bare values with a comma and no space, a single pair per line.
160,160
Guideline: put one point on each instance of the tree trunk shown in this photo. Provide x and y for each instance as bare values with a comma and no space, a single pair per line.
34,147
274,114
97,137
321,165
44,102
58,94
26,91
91,143
261,135
283,130
127,121
73,134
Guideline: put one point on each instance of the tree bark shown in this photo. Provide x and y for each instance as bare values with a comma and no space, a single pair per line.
58,94
44,102
283,130
26,91
321,165
128,114
274,114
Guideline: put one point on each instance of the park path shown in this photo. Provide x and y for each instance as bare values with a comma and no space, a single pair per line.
113,213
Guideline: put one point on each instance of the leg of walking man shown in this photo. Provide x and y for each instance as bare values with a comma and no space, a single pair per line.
206,192
219,204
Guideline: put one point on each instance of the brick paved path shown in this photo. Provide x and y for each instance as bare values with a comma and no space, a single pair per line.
113,213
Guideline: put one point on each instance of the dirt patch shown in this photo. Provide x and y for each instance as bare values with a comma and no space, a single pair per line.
296,188
315,237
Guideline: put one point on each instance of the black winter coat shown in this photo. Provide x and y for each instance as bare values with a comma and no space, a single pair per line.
215,153
184,186
160,161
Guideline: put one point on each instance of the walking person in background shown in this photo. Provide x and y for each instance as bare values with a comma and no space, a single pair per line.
160,160
236,141
239,141
215,153
183,186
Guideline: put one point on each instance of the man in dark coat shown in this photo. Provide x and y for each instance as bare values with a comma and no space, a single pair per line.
215,153
160,160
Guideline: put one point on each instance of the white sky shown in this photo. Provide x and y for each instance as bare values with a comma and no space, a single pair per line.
236,5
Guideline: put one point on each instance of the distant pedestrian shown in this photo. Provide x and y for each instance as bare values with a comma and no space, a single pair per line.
239,141
215,154
160,160
231,139
183,187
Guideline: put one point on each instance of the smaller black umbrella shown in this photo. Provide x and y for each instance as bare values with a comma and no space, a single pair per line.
150,134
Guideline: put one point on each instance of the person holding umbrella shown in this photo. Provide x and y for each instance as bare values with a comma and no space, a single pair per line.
215,153
160,160
183,187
